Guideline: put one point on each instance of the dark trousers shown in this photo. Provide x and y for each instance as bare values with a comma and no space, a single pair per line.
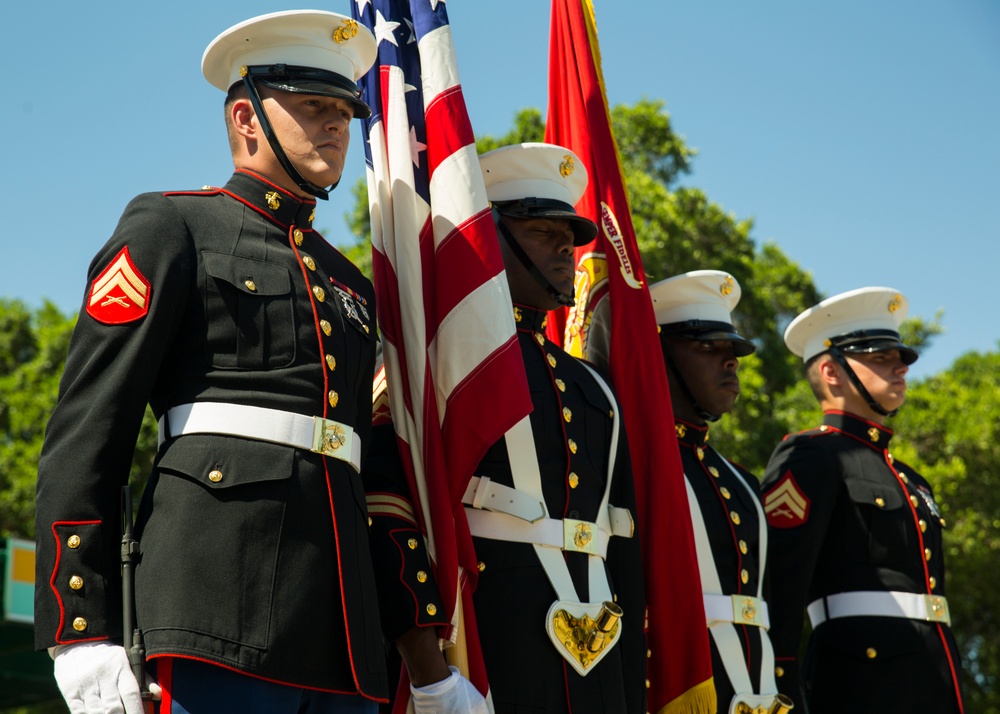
191,687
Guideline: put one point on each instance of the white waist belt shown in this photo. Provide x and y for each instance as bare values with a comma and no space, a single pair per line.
737,609
484,493
565,534
321,436
880,603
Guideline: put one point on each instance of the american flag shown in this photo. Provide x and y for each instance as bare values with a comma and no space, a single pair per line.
455,373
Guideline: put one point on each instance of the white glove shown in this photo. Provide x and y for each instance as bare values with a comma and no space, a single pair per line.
454,695
96,678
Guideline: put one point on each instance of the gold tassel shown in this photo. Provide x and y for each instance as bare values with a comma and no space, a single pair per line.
699,699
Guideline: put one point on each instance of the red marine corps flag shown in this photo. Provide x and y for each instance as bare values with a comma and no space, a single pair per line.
679,667
454,369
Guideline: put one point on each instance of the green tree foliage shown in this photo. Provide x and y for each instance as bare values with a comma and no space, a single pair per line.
949,430
33,346
32,353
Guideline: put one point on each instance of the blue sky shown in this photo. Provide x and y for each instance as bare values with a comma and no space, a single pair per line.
860,136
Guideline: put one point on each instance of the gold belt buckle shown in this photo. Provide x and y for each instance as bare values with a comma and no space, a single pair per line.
747,610
937,609
581,536
330,436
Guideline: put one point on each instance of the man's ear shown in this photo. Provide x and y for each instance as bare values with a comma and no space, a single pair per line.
244,119
830,372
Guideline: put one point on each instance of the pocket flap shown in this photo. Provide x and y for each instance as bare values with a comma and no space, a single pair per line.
883,496
253,277
226,461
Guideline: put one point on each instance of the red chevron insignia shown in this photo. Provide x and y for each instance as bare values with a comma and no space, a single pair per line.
120,294
785,504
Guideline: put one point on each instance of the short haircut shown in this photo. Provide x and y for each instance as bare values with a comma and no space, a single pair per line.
236,92
816,382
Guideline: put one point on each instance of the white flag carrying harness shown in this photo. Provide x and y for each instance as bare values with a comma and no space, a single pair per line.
724,611
582,632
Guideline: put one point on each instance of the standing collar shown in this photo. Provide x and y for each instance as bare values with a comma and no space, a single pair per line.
530,319
875,435
690,434
271,200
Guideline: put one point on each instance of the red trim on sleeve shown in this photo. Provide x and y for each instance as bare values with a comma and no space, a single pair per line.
52,582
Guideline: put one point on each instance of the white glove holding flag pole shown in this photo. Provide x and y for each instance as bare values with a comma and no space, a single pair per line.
95,678
454,695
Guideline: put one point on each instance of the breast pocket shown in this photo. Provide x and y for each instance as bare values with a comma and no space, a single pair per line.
880,529
250,313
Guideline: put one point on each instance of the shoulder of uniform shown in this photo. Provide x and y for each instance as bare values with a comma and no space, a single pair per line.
744,470
203,191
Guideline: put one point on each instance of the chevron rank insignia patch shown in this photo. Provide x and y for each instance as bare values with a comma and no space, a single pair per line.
381,414
785,504
120,294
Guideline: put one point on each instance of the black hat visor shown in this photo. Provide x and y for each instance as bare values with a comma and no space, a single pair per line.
584,229
710,331
307,80
869,341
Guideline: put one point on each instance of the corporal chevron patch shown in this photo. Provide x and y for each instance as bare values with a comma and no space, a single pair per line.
785,504
381,414
120,293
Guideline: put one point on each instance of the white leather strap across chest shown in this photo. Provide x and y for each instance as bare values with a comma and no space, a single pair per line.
723,610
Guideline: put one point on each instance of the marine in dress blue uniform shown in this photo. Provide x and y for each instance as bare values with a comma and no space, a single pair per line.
855,534
701,350
580,454
253,341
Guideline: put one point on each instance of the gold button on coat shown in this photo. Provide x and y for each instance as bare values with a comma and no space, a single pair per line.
432,609
73,541
215,476
725,493
572,446
871,653
567,414
927,553
700,453
744,576
880,502
574,480
75,582
540,338
334,398
923,525
251,285
310,263
551,359
714,471
412,543
297,236
326,327
561,385
779,671
421,576
481,566
80,624
331,362
735,517
743,546
933,582
914,501
319,293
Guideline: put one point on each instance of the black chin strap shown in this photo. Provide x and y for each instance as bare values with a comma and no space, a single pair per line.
265,125
842,361
561,298
698,409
